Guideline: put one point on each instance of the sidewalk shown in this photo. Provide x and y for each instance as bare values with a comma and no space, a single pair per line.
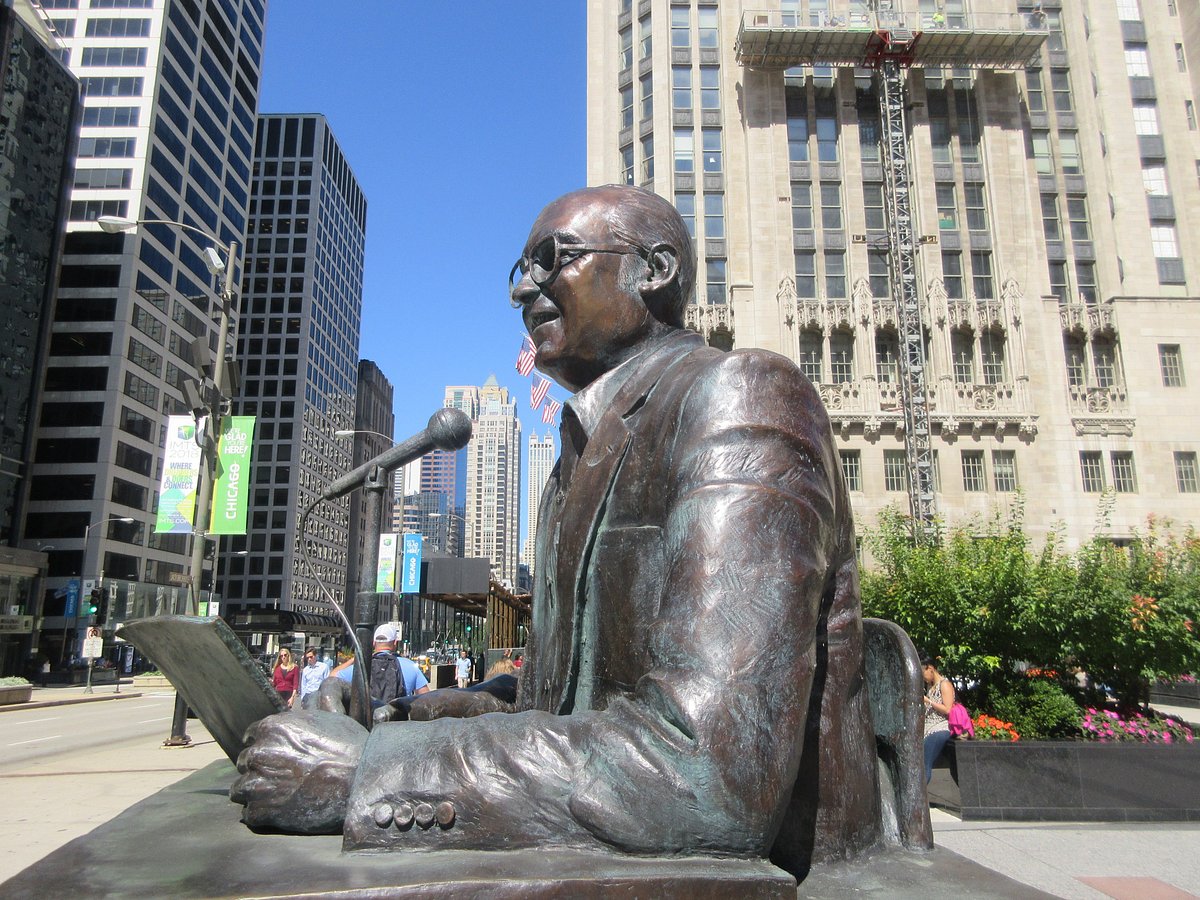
67,694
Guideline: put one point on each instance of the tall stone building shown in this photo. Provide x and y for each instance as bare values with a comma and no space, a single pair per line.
542,454
493,476
170,92
1055,209
298,342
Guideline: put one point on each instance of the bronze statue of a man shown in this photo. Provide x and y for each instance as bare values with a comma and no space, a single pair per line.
694,675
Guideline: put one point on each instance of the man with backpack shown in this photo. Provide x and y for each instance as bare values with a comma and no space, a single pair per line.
392,676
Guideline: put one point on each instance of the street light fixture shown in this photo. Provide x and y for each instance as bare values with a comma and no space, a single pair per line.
211,402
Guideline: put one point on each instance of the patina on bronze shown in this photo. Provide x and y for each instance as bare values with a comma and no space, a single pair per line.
695,679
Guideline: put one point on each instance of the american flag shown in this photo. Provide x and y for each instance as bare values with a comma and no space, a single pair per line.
538,391
526,357
550,410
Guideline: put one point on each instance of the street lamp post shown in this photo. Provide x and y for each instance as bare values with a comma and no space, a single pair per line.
87,533
212,402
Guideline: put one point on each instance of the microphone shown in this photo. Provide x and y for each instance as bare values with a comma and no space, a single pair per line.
448,429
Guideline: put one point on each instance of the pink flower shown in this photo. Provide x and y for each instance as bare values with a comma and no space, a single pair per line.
1167,737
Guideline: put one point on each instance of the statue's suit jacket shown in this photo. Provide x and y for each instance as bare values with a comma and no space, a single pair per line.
694,676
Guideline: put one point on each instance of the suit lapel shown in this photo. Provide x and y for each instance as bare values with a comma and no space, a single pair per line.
584,503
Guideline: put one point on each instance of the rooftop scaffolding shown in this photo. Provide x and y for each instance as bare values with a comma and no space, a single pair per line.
771,39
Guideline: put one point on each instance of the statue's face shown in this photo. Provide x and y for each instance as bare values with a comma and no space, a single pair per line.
583,323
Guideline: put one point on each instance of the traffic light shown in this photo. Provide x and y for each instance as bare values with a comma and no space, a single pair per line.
93,602
102,597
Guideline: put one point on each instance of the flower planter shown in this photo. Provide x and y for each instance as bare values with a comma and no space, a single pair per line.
16,694
1073,781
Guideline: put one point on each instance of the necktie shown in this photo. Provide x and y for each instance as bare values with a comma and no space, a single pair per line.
573,441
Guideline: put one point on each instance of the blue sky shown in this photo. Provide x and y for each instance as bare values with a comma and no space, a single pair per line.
461,121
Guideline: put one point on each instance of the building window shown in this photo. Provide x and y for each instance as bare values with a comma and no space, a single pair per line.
981,274
1137,61
841,357
1051,227
711,145
868,135
873,206
1060,86
835,274
715,278
802,214
1180,58
1039,151
647,83
1076,361
1127,11
1091,468
797,125
1163,241
1124,480
627,107
714,216
1059,285
947,207
1077,216
645,38
685,157
962,351
627,164
681,27
939,127
1068,153
1154,179
973,474
811,347
1085,275
1170,363
852,468
1187,475
681,87
887,357
686,204
626,48
1145,118
952,275
1034,95
710,87
1189,111
895,471
706,22
827,128
1104,362
806,273
831,205
878,272
976,207
1004,470
647,159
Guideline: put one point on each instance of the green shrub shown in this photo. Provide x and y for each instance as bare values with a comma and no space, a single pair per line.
13,681
1039,709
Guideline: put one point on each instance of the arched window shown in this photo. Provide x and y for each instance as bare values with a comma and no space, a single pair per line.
887,356
991,353
962,352
1076,360
1104,361
812,349
841,357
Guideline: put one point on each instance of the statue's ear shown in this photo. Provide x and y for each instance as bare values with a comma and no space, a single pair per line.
662,268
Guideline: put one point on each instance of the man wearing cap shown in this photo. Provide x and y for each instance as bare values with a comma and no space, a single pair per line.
409,680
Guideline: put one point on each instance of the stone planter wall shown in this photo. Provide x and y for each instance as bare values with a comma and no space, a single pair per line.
17,694
1176,693
1074,781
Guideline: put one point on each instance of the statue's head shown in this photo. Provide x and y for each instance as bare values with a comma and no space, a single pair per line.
604,270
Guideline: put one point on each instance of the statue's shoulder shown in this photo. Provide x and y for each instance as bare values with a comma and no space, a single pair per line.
750,366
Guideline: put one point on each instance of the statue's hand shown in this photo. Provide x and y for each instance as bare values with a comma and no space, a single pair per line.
455,704
296,771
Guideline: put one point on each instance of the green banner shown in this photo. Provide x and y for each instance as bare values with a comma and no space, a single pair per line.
385,574
181,468
232,487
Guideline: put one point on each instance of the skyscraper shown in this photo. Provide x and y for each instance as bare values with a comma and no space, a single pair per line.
374,422
1054,284
493,503
170,91
541,462
298,341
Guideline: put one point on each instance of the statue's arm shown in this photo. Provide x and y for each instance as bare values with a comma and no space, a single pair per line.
702,753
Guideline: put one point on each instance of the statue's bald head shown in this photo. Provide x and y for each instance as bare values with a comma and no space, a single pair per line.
645,220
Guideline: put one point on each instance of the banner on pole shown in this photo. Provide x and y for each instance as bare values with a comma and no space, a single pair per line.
181,471
385,573
231,489
411,579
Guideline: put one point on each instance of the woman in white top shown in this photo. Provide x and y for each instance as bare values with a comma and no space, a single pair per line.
939,697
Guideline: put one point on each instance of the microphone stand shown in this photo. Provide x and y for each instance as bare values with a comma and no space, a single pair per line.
367,601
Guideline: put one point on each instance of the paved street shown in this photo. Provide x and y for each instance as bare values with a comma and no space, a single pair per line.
66,769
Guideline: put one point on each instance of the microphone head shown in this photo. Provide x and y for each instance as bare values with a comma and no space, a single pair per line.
449,429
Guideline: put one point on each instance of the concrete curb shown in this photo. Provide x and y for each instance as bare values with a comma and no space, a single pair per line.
68,701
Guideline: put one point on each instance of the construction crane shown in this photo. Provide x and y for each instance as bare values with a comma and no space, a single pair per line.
884,42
